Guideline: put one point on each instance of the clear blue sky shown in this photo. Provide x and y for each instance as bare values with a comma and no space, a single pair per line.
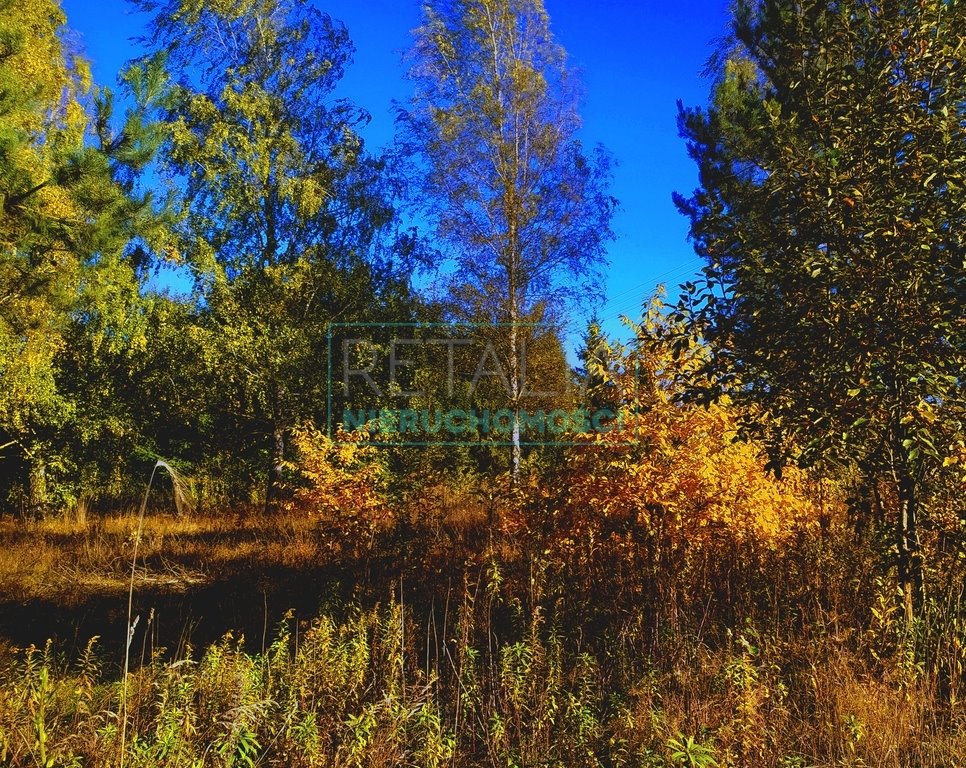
636,59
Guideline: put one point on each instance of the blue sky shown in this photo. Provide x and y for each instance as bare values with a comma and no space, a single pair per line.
636,59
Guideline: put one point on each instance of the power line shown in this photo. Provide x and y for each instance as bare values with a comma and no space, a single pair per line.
680,269
623,307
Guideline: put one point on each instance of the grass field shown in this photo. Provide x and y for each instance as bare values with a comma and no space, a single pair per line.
443,641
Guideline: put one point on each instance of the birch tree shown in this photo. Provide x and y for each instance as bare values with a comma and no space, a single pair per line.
519,207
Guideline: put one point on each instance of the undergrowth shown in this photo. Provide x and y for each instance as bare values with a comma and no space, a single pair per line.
490,681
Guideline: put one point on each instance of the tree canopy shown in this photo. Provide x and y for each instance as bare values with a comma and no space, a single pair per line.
73,231
286,219
830,214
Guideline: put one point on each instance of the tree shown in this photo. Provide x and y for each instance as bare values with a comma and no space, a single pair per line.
596,369
284,210
831,213
512,195
69,214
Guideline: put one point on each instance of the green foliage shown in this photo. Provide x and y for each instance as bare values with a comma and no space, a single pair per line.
686,751
68,260
286,222
832,162
41,131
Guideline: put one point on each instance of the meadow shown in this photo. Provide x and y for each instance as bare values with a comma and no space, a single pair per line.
451,634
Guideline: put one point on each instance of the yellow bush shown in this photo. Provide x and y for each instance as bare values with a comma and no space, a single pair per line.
342,482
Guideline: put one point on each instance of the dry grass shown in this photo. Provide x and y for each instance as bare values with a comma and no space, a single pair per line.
375,690
67,558
511,654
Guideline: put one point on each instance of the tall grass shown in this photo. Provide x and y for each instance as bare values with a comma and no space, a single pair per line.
388,686
618,650
131,623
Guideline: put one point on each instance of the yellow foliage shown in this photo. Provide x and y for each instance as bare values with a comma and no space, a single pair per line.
686,469
956,457
676,475
344,483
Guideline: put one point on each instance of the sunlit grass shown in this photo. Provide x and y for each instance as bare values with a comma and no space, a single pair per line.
483,643
63,558
378,689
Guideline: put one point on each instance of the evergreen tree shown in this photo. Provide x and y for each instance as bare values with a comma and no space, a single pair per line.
69,214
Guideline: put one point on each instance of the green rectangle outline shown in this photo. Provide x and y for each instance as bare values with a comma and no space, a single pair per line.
457,444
